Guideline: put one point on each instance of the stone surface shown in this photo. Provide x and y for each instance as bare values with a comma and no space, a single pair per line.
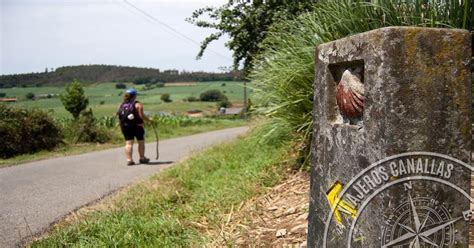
417,86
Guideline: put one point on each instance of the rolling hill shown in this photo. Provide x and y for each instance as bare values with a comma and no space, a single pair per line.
110,73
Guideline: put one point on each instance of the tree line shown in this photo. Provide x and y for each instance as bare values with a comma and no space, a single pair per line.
111,73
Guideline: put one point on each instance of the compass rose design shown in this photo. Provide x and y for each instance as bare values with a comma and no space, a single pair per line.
418,223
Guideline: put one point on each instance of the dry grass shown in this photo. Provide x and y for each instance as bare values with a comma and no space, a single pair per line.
180,84
277,218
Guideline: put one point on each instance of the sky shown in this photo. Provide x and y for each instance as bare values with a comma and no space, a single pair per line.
39,34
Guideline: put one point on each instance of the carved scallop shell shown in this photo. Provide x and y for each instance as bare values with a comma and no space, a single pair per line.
350,95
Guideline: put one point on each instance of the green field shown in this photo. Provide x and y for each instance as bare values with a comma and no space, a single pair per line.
109,95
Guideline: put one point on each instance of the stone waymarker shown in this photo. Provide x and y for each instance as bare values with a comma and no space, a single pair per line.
392,140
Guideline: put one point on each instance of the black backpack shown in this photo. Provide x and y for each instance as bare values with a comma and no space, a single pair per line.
127,109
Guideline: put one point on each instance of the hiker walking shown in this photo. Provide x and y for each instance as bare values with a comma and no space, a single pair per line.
131,118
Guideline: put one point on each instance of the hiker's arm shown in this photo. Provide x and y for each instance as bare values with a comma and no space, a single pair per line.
141,113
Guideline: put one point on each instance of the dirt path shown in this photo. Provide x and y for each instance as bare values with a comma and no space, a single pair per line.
36,194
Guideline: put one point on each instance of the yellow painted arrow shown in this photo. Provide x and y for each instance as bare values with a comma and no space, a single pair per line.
339,205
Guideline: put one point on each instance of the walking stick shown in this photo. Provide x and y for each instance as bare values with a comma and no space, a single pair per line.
157,139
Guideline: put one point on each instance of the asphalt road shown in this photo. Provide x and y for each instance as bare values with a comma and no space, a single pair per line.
36,194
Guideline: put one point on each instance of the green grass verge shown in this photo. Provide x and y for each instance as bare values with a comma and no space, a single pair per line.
165,132
163,210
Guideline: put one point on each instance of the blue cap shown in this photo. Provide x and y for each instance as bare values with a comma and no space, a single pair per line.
132,92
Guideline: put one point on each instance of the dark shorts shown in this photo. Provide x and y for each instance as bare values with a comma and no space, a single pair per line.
130,133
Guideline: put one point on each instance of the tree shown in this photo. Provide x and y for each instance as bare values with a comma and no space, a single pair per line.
74,100
166,98
212,96
120,86
30,96
246,23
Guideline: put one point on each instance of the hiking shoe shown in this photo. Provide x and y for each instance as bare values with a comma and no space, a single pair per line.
130,163
144,160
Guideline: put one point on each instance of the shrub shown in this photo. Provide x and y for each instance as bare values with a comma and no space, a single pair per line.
2,94
74,99
160,84
212,96
166,98
86,128
192,99
223,84
120,86
141,80
148,86
26,131
180,121
30,96
224,104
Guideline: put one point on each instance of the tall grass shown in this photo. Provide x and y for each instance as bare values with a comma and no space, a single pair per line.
284,71
180,120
